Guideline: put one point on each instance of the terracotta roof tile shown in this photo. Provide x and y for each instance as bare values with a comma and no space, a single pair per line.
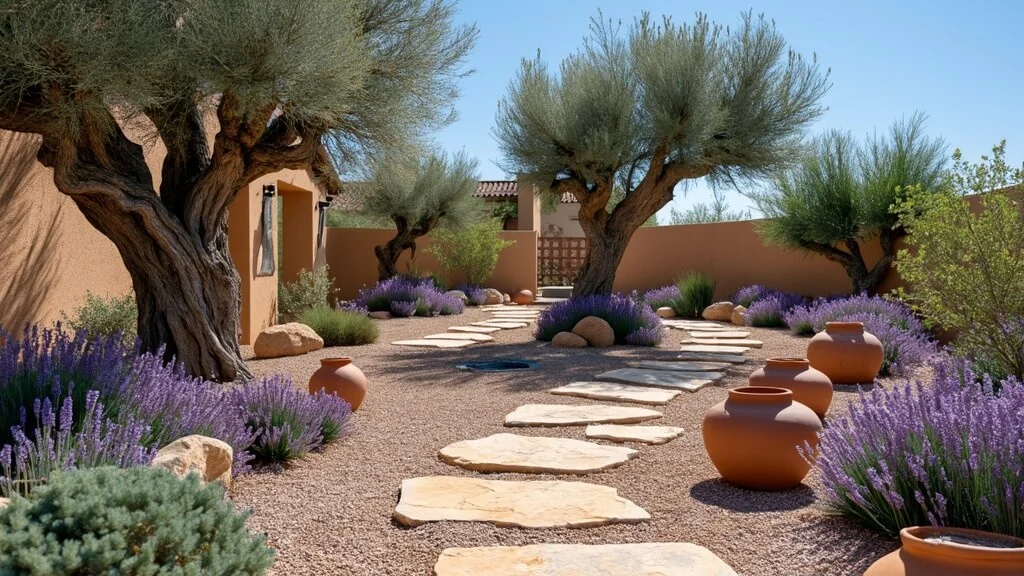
496,189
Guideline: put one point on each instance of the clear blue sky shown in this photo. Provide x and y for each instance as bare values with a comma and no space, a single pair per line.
962,63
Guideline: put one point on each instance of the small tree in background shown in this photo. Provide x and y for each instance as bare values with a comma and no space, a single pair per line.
310,290
841,196
418,196
473,250
706,212
664,104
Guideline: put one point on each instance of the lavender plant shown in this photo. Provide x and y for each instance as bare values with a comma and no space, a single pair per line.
662,297
769,309
631,318
749,294
949,452
403,308
475,293
430,301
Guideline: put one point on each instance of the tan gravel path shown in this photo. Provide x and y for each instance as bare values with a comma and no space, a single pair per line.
331,513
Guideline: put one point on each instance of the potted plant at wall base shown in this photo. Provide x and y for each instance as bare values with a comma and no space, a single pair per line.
508,213
948,551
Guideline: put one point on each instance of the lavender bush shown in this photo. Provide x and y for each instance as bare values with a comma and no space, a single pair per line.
403,308
662,297
631,318
749,294
475,293
946,453
770,308
430,301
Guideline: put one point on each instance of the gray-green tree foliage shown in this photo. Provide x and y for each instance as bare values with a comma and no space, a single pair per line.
650,108
840,196
234,90
717,210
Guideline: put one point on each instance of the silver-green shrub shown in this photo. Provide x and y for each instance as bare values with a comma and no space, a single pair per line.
311,290
102,316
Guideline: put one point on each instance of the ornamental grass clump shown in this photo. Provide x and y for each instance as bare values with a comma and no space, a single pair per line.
339,327
696,292
430,301
949,452
631,319
769,309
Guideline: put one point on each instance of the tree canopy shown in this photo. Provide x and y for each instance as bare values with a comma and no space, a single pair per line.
717,210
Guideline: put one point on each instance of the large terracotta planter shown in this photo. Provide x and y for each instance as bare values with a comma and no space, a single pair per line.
970,552
810,387
752,438
339,376
846,353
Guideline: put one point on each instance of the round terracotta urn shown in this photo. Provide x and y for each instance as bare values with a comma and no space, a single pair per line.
339,376
846,353
752,438
937,551
523,297
810,387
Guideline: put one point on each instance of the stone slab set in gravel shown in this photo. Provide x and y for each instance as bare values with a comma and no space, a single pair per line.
692,356
712,349
459,336
724,341
421,343
534,455
501,325
474,329
617,391
643,434
565,415
672,379
529,504
657,559
719,334
682,366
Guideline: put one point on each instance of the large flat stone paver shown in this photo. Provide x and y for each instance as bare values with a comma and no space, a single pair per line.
711,357
434,343
474,329
567,415
673,379
617,391
725,342
460,336
501,325
643,434
726,334
534,455
652,559
682,365
706,348
529,504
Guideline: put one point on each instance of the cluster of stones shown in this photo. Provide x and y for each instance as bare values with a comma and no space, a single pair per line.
590,331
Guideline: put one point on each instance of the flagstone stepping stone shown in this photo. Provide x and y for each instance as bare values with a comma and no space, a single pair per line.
515,312
501,325
567,415
673,379
617,391
534,455
655,559
728,334
682,365
725,342
644,434
697,324
435,343
711,357
474,329
529,504
710,348
460,336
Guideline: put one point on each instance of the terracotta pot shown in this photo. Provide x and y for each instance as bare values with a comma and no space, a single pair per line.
752,438
967,553
523,297
339,376
810,387
846,353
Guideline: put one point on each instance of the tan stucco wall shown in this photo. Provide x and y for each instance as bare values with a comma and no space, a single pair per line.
564,221
349,253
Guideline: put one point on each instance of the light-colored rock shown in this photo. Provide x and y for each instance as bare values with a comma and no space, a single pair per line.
698,324
682,365
474,329
724,342
706,348
4,502
722,334
739,316
460,336
209,457
665,312
566,415
530,504
658,559
672,379
711,357
643,434
596,331
289,339
721,311
493,297
380,315
514,313
534,455
421,343
458,294
505,298
617,391
568,340
502,325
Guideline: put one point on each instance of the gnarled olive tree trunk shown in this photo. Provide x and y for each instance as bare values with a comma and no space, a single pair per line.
863,279
404,239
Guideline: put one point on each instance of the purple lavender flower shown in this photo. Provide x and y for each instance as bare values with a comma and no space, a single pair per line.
770,308
749,294
475,293
627,316
661,297
403,308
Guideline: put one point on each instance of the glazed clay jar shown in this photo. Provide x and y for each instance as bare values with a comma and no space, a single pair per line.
846,353
339,376
810,387
936,551
752,438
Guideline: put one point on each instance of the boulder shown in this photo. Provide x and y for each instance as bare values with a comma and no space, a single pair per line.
596,331
523,297
289,339
380,315
738,316
720,311
505,298
493,297
666,312
210,457
568,340
458,294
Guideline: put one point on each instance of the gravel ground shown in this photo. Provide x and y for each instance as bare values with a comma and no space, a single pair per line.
331,513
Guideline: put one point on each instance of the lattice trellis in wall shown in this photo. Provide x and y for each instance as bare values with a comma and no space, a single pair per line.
559,260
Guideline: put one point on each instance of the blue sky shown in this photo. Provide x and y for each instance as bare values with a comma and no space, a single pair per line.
961,63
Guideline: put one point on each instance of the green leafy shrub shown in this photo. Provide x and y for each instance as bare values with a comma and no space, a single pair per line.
696,292
311,290
472,250
338,327
132,522
100,316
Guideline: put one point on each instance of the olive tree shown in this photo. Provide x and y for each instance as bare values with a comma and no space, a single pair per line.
234,90
419,195
841,196
717,210
662,104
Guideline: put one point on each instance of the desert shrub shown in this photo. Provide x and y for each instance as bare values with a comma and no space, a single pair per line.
696,292
631,319
429,300
903,336
338,327
948,452
662,297
472,250
311,290
769,309
99,316
291,422
749,294
138,521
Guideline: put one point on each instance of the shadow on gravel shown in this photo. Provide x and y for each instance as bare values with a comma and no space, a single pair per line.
843,542
719,493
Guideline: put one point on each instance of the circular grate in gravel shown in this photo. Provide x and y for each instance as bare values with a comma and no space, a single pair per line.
499,366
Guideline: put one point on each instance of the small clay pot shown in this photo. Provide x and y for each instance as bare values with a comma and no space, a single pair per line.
846,353
523,297
939,551
810,387
339,376
752,438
